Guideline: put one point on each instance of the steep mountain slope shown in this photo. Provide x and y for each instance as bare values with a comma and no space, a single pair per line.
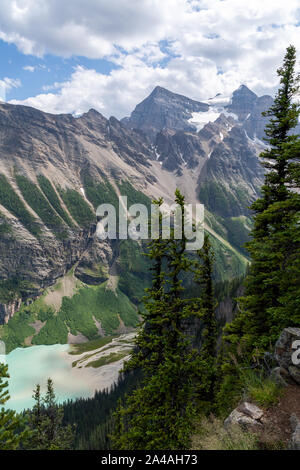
56,169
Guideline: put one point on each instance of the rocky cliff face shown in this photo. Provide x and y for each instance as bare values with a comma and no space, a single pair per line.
7,311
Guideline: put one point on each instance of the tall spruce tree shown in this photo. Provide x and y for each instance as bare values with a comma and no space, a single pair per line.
12,432
271,300
46,422
159,414
203,276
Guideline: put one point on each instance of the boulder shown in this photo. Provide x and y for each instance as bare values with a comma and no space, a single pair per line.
251,410
236,417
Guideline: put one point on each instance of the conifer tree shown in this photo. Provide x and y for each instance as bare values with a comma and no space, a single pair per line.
203,276
46,422
12,432
159,414
271,300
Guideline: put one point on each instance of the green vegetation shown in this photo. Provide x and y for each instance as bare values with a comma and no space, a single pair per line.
134,196
260,388
90,345
180,373
45,313
93,416
109,359
11,433
17,329
103,304
78,207
229,263
35,198
5,228
46,423
271,300
100,192
211,435
134,270
12,289
54,332
174,373
230,258
11,201
221,199
52,197
238,232
77,315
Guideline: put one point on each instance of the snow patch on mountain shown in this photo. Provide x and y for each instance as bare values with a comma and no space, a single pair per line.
199,120
219,100
217,106
257,141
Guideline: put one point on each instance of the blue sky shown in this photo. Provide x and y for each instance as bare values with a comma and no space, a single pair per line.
66,57
35,73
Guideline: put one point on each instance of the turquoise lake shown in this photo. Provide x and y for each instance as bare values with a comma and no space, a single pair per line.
31,366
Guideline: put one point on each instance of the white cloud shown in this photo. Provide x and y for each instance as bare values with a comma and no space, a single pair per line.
212,46
91,28
29,68
6,85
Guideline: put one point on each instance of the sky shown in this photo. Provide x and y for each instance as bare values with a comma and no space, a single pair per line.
72,55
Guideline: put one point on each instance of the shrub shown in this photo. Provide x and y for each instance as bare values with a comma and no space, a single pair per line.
35,198
11,201
260,388
211,435
52,197
77,207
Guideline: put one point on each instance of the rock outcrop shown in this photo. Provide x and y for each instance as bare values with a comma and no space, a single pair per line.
7,311
247,415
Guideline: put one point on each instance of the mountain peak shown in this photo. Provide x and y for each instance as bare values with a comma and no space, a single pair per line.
244,90
158,90
163,109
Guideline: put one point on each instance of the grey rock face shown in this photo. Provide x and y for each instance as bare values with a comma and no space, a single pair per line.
7,311
255,124
234,167
179,149
243,101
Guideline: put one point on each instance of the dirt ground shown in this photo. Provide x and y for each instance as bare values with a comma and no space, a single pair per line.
277,418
